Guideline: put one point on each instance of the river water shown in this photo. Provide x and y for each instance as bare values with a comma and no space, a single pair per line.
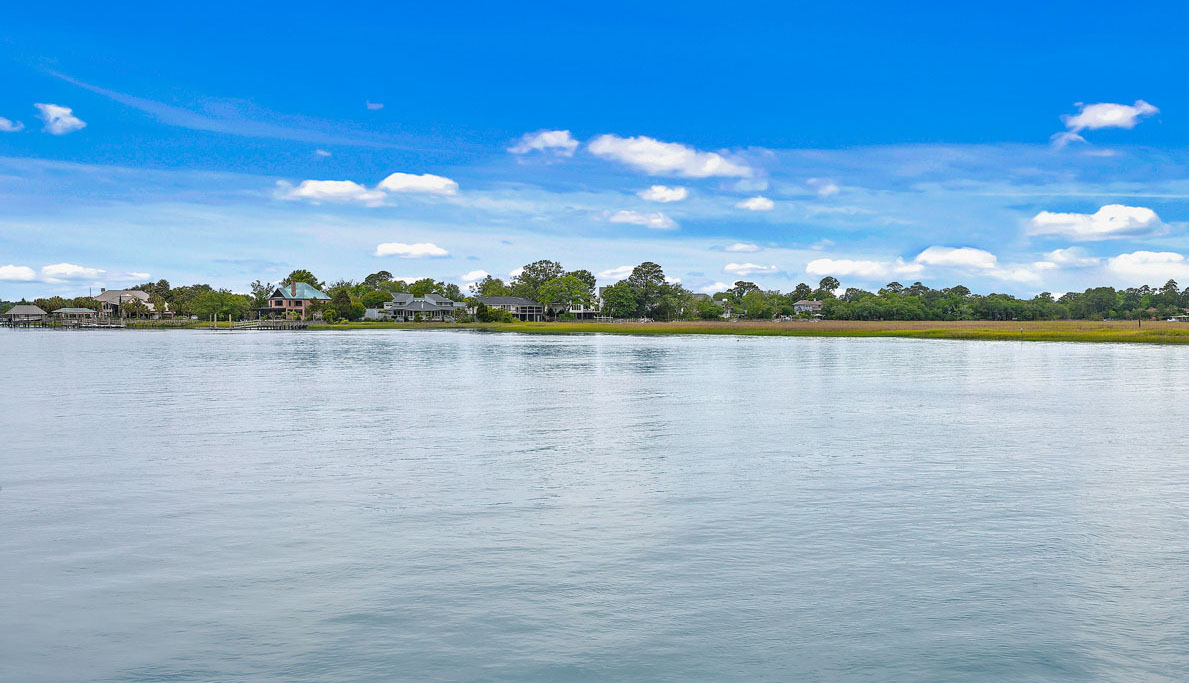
461,506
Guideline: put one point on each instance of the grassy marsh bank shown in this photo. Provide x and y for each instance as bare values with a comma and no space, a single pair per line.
1061,330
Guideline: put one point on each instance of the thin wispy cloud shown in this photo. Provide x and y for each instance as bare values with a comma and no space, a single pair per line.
241,118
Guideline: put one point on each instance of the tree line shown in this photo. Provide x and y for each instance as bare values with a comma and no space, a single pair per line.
647,293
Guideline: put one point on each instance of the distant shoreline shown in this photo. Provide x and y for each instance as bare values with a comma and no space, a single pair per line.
1151,332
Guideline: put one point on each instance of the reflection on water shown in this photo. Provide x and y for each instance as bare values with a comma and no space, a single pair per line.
455,506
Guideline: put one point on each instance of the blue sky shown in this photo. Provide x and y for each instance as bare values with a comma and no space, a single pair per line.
1008,148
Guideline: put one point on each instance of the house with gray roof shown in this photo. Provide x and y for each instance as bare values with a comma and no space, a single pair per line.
525,309
404,306
117,303
807,306
22,314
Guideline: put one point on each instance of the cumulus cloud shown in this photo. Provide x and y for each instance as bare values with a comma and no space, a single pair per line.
617,273
1109,222
58,120
17,273
69,271
7,126
655,220
474,275
748,268
551,141
756,204
419,250
517,272
318,191
1149,267
741,248
667,158
1073,257
824,187
864,269
426,183
962,257
714,287
1107,115
664,194
373,106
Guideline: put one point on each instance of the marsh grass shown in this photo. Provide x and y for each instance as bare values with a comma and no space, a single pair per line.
1062,330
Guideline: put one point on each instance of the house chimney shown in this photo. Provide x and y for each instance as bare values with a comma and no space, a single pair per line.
102,290
293,288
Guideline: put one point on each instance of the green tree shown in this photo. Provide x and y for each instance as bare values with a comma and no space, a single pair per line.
621,300
260,291
302,275
648,281
376,279
490,286
561,293
528,282
340,301
375,299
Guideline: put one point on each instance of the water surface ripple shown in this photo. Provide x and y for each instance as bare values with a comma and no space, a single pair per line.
454,506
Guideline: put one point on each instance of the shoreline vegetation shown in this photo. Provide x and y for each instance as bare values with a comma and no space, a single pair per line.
1150,332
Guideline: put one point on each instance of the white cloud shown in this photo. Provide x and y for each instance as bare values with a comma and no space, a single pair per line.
419,250
426,183
962,257
1073,257
474,275
69,271
554,141
714,288
617,273
517,272
756,204
373,106
824,187
331,191
655,220
7,126
137,276
1149,267
17,273
1025,273
741,248
748,268
1110,221
321,152
672,280
864,269
59,120
664,194
1108,115
666,158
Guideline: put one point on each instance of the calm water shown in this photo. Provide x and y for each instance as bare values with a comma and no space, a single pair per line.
454,506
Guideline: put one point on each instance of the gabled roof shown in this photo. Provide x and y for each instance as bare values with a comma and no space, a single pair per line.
807,302
24,309
114,296
505,301
304,291
73,310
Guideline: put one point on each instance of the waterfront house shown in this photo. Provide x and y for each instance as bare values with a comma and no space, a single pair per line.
404,306
124,303
292,300
24,313
524,309
77,315
807,306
